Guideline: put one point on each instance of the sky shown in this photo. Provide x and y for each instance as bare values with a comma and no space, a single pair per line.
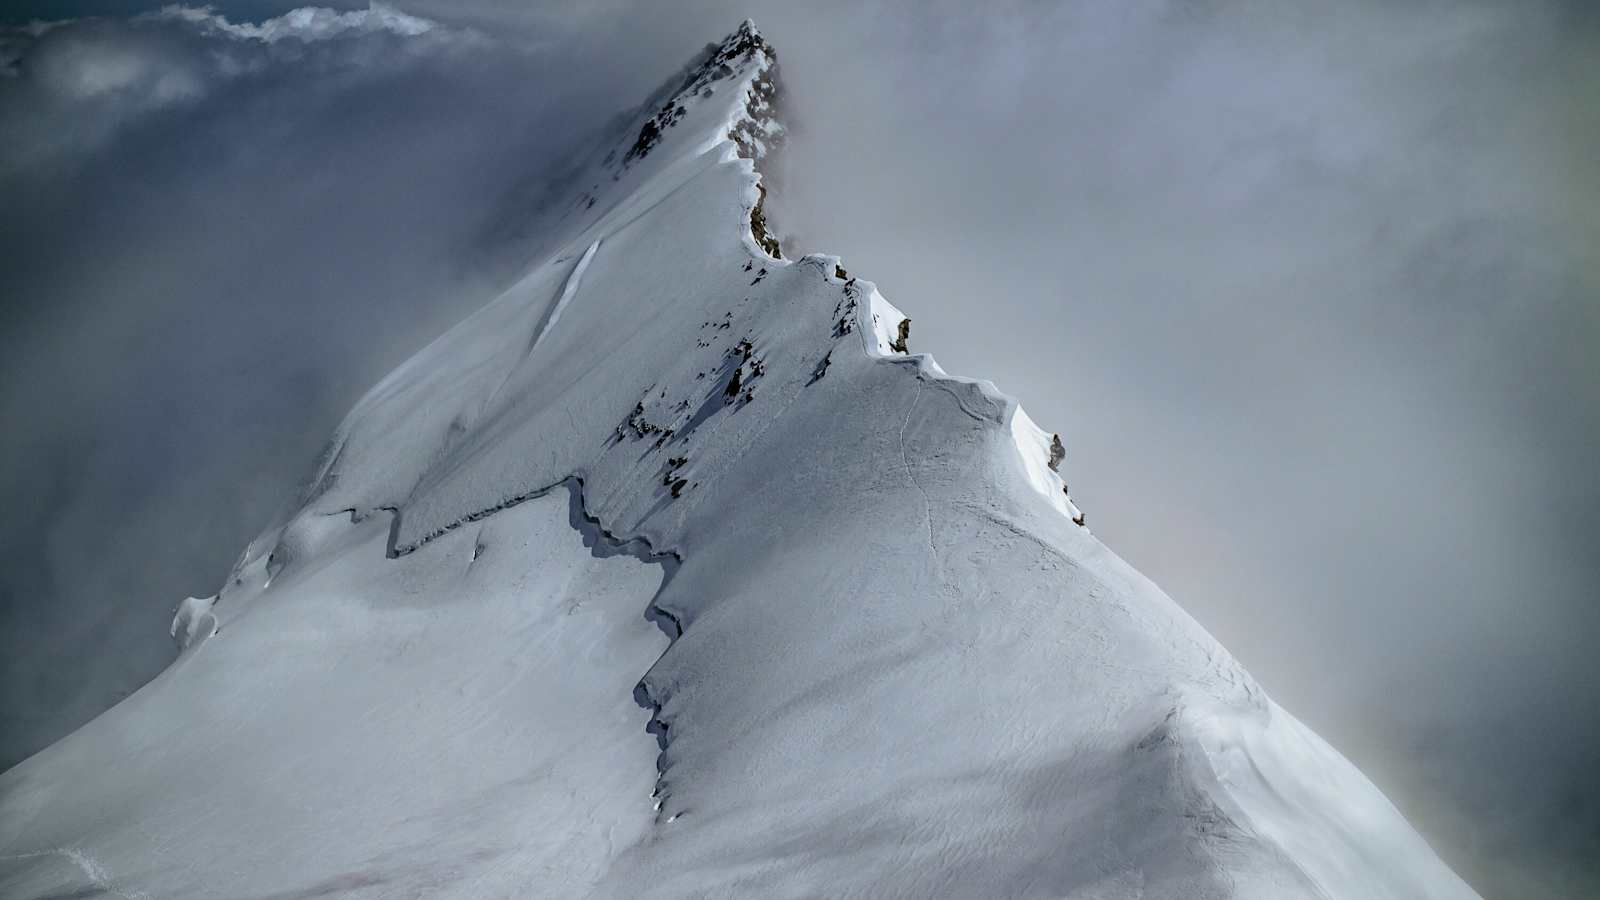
1310,291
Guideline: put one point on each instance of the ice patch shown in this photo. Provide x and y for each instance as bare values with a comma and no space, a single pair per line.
567,293
193,621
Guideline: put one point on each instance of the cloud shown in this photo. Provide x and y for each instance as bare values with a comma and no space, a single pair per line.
82,64
308,23
73,84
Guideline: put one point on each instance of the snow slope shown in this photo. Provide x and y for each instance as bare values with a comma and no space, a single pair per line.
668,574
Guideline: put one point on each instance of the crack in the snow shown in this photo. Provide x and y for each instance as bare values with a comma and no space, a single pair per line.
602,542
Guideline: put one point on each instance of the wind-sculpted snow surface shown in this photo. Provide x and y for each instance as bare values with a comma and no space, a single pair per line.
891,661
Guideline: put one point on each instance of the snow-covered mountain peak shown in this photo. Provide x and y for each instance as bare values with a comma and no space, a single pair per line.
727,93
742,53
674,572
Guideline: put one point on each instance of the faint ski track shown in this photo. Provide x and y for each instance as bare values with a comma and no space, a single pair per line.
927,505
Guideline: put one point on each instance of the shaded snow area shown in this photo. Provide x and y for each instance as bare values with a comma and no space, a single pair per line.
674,573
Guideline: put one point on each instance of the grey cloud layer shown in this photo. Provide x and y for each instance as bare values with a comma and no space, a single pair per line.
1310,292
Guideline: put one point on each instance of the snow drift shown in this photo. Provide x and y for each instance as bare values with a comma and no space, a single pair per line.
672,572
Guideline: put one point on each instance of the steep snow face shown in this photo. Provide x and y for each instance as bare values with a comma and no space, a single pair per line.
673,573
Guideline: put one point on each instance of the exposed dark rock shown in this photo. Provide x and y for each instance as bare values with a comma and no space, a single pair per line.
758,226
821,369
898,345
